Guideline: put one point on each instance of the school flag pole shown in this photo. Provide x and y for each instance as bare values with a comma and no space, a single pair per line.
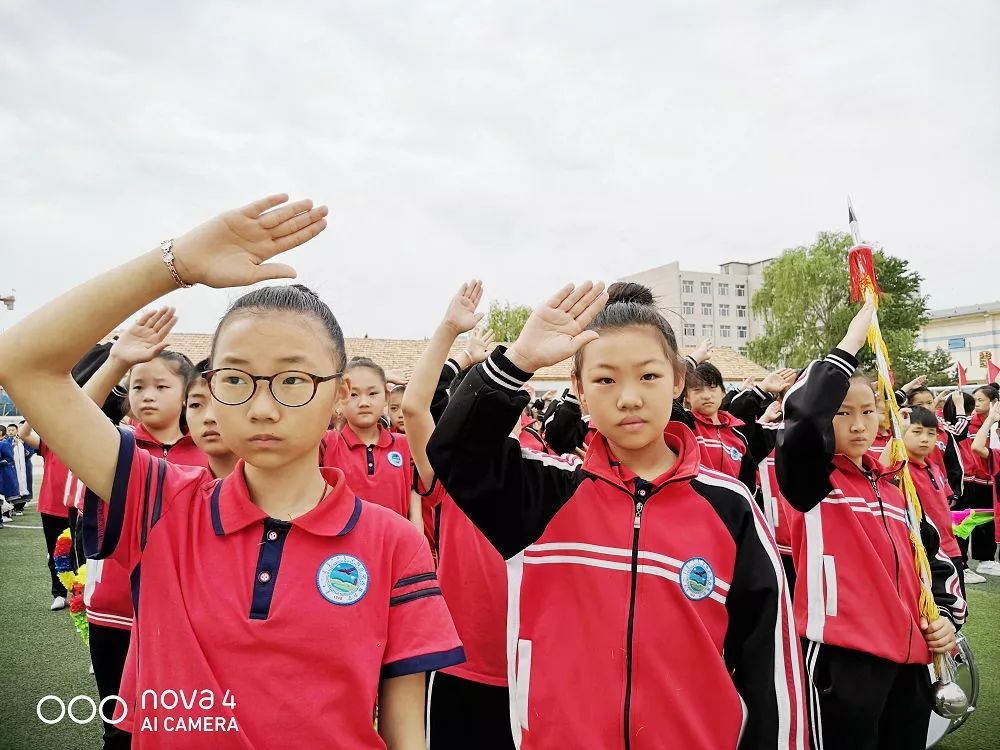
950,701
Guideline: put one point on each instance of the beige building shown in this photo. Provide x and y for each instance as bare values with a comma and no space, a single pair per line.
708,305
970,334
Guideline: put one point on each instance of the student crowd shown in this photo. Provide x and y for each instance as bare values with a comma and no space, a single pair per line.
328,559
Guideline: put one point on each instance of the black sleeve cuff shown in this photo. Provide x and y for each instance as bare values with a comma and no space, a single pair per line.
846,363
424,663
502,373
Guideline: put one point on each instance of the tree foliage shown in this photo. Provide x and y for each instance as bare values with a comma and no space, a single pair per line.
804,305
506,320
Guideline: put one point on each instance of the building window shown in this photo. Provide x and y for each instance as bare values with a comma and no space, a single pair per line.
688,308
706,331
724,311
706,308
689,329
706,287
723,290
741,331
741,311
725,331
687,286
741,290
742,350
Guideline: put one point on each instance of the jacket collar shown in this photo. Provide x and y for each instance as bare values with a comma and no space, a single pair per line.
602,463
869,465
725,419
335,515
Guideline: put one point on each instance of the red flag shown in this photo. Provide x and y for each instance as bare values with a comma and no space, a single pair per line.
992,371
961,375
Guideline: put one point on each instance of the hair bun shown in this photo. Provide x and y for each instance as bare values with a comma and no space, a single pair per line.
630,291
305,290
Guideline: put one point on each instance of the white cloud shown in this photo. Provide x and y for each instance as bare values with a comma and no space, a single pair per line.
523,143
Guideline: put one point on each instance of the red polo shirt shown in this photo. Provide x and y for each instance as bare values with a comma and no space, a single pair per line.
108,593
281,629
50,494
381,473
473,579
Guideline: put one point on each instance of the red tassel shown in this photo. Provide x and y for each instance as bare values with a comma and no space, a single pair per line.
63,546
862,268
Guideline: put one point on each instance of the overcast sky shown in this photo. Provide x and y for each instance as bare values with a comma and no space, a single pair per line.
527,143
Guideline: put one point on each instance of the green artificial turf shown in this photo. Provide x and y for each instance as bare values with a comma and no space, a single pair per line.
41,654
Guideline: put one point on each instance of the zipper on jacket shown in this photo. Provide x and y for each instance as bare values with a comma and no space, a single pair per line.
895,554
641,496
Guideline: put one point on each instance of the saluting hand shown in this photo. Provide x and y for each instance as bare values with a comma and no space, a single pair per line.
704,351
994,416
556,329
478,346
145,338
778,381
461,315
233,248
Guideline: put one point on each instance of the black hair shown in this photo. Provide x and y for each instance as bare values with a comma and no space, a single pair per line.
918,390
181,365
291,298
991,392
631,304
922,417
860,374
398,389
197,374
949,407
705,375
356,362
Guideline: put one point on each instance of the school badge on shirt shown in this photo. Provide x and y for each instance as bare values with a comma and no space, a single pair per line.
395,458
735,454
342,579
697,578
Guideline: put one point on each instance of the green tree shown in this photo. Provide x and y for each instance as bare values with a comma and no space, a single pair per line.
936,365
804,303
507,320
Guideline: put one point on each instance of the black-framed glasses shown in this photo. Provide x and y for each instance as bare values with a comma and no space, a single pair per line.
290,388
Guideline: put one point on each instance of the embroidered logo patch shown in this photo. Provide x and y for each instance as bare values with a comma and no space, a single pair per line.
735,454
697,578
342,579
940,445
395,458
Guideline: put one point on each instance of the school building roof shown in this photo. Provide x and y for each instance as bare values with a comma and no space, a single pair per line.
958,312
400,354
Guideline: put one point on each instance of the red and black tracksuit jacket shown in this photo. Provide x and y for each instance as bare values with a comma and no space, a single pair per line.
605,568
